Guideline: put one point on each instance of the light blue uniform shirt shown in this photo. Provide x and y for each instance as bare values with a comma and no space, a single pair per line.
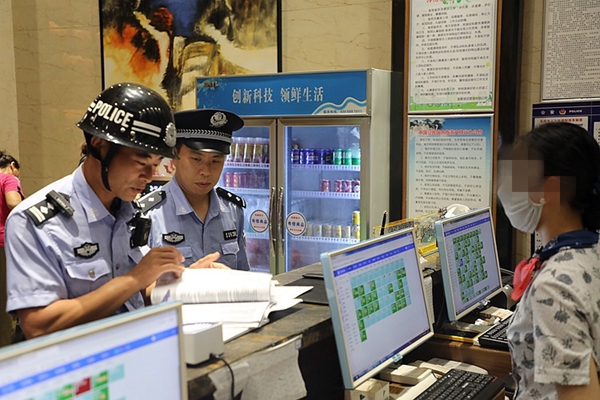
65,258
175,223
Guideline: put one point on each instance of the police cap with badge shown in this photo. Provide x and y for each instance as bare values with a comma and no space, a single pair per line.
206,129
209,130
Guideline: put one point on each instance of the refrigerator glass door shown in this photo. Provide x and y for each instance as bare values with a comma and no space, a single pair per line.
247,173
320,206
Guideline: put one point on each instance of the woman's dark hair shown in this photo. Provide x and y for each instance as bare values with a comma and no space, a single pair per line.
570,152
6,159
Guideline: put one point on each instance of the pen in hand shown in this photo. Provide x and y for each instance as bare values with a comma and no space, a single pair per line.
382,231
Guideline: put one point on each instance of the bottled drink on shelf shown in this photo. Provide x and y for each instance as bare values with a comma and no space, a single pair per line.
356,156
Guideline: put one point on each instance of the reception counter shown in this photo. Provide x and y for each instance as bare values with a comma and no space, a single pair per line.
317,357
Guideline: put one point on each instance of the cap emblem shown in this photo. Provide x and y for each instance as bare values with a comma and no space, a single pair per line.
170,135
218,119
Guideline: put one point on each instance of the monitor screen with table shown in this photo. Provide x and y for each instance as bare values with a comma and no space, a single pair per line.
468,260
378,303
135,355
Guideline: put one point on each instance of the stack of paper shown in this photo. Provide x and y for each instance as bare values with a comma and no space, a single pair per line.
240,300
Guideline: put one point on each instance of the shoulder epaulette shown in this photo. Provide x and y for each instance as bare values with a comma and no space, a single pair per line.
53,204
234,198
151,200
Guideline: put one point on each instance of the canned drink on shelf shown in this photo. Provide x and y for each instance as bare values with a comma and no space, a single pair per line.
337,156
318,230
258,157
263,180
355,217
327,230
325,185
228,179
266,150
235,180
347,157
356,156
356,231
347,186
337,231
328,156
347,232
237,150
310,230
248,149
338,185
310,156
303,156
295,155
320,156
356,186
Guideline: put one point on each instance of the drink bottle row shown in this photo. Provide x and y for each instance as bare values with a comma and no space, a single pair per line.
325,156
253,150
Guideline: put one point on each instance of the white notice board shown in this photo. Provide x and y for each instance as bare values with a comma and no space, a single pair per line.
452,55
571,53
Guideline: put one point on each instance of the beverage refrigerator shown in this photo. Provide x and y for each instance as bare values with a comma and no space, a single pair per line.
312,161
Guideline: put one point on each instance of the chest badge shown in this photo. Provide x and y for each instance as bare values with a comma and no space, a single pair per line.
230,235
173,237
87,250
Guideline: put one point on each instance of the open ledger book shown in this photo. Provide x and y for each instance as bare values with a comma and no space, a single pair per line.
241,300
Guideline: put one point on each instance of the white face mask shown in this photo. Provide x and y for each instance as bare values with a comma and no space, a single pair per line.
523,213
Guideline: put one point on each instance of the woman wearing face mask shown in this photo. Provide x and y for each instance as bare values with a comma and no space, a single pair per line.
551,185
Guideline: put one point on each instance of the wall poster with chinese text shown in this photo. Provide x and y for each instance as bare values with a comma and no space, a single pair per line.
452,55
571,53
449,161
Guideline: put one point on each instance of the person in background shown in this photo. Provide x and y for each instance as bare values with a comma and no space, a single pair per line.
74,248
11,194
551,185
189,213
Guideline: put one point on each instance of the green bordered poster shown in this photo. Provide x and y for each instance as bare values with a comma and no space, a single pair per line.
452,55
449,161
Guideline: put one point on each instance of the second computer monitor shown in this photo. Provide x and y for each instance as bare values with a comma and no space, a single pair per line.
469,261
134,355
378,303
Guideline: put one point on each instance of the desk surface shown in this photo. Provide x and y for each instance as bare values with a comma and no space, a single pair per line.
318,358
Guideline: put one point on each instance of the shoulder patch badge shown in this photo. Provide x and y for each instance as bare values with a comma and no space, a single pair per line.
53,204
234,198
151,200
87,250
173,237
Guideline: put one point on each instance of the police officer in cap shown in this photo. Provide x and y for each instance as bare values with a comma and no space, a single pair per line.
73,248
191,214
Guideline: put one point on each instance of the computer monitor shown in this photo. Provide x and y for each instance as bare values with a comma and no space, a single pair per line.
378,303
468,260
135,355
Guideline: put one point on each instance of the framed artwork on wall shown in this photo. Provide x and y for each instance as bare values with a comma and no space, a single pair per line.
167,44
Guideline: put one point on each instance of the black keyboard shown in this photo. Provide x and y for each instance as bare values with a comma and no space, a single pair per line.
463,385
495,337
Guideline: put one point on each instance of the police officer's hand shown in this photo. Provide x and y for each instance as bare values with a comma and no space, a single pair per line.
158,261
208,261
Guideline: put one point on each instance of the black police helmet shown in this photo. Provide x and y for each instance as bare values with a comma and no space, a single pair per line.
132,115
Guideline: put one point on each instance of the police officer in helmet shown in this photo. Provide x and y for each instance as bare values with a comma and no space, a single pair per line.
73,249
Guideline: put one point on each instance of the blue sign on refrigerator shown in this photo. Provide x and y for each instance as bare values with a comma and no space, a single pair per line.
296,94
